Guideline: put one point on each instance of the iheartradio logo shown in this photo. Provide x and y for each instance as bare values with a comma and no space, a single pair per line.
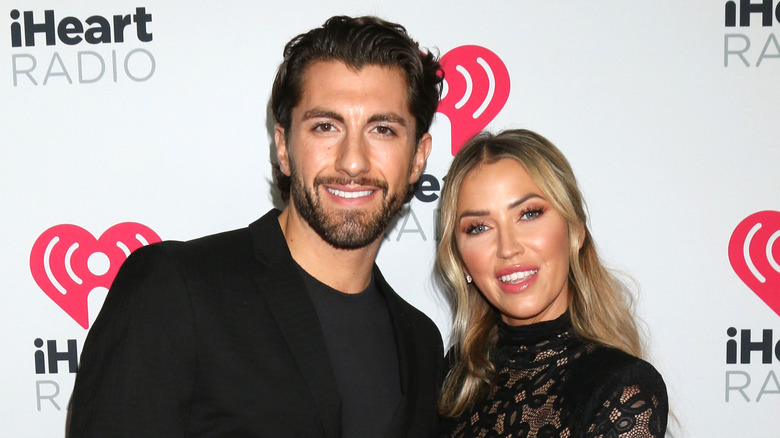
754,251
68,263
476,88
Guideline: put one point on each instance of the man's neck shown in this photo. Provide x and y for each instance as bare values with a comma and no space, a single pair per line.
346,270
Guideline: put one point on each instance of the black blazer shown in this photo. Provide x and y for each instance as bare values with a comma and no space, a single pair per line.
217,337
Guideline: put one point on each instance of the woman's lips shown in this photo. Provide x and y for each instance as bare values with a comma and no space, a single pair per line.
516,279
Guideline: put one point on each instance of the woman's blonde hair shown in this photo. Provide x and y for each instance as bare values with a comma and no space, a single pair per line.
599,304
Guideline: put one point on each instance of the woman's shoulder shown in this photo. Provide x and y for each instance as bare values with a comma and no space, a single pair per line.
620,367
604,372
611,388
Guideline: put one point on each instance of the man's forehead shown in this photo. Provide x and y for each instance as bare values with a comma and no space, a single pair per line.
311,72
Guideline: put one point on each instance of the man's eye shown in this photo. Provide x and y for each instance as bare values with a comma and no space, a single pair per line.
324,127
384,130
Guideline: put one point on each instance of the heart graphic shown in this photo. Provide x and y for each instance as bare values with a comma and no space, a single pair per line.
67,262
476,87
754,253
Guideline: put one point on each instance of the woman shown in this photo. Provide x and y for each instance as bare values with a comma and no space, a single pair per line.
545,343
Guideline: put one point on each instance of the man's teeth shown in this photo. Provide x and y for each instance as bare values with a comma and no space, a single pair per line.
517,277
350,195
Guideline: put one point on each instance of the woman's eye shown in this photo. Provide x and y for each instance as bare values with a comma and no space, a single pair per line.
476,229
531,214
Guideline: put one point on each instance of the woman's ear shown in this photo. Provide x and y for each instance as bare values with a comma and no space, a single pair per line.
577,236
466,274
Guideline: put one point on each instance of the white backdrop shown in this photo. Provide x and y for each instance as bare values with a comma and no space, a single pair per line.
668,116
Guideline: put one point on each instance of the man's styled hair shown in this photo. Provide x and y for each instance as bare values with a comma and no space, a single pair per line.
357,42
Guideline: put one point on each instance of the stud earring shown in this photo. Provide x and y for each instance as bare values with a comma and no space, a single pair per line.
468,279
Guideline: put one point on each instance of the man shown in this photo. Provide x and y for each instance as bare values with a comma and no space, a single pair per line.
287,328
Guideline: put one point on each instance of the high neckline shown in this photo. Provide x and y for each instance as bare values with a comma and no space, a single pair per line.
537,343
531,334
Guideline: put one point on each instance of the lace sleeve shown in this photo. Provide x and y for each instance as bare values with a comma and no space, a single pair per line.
635,407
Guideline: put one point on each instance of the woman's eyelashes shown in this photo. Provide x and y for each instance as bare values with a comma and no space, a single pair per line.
525,215
476,228
531,213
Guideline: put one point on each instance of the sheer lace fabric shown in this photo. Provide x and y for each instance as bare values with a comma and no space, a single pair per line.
552,384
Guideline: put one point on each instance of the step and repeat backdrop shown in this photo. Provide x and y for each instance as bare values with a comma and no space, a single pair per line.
128,122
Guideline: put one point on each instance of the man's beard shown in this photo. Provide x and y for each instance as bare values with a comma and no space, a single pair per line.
347,228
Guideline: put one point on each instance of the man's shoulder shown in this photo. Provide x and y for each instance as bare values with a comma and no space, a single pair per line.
210,244
215,249
213,267
222,246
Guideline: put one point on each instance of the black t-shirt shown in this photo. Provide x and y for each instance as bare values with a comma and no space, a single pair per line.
363,354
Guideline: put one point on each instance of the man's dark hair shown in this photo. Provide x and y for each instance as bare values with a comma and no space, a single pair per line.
356,42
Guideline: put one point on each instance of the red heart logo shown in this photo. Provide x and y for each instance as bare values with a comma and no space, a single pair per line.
476,87
754,252
68,262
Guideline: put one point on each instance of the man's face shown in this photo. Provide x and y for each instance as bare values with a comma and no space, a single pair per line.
350,152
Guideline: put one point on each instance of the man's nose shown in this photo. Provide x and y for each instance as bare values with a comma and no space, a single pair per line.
353,155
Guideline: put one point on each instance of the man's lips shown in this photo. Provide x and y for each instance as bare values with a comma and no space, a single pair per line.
350,194
346,188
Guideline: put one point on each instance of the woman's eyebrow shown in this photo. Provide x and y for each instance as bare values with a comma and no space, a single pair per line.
513,204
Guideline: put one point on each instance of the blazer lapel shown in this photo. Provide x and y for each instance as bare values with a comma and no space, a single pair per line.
407,359
286,295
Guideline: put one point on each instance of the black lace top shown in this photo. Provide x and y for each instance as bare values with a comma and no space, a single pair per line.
551,383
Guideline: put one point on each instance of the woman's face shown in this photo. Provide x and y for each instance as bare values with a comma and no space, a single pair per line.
513,243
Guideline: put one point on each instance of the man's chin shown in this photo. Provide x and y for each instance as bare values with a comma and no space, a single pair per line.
351,234
346,227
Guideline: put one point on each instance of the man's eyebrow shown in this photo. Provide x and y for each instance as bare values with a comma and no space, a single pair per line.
388,117
317,113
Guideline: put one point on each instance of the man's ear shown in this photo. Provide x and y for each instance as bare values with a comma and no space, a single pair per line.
282,155
420,157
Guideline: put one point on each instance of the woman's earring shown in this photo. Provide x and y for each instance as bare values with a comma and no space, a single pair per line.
468,279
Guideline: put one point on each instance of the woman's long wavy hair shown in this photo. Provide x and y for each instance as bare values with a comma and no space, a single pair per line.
600,306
